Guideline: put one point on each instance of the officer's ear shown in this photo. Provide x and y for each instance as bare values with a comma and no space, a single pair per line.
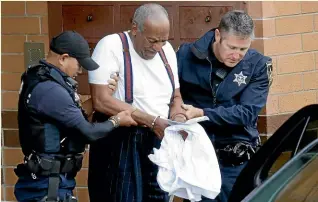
63,59
217,36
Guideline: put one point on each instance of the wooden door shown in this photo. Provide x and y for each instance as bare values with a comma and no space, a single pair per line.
94,20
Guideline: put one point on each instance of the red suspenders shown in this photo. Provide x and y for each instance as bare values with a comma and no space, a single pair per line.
129,73
170,73
128,69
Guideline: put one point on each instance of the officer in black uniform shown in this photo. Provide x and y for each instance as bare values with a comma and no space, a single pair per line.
53,128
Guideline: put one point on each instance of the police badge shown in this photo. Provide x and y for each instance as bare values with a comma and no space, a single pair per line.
269,67
240,78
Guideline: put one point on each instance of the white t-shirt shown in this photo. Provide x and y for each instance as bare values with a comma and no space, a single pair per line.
152,87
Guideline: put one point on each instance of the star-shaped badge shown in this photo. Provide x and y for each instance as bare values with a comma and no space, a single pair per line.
239,78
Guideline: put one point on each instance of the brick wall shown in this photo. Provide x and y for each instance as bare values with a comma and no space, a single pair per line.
287,31
21,21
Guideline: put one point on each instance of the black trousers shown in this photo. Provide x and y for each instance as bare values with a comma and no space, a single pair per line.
120,170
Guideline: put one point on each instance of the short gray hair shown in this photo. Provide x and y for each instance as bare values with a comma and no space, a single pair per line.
148,11
238,23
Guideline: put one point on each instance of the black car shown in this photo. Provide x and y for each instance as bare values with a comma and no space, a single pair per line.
286,166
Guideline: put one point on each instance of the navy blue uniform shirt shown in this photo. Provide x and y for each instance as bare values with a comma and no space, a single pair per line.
239,98
53,101
54,105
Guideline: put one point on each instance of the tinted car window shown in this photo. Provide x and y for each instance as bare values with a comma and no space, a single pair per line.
310,134
296,181
297,139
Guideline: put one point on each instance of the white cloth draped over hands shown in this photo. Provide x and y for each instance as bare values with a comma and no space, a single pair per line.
187,168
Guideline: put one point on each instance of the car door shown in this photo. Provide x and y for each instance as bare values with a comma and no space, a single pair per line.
296,181
292,137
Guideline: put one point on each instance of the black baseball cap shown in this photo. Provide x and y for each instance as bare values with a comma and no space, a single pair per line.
74,44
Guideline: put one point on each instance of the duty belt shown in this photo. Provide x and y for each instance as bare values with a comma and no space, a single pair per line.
235,154
52,167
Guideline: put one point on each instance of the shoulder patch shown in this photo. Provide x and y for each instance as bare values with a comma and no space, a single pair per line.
269,67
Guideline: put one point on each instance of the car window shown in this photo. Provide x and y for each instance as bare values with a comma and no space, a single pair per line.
304,185
310,134
288,146
296,181
296,144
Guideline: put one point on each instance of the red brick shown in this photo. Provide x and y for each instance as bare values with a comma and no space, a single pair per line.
2,193
258,28
294,24
316,57
258,44
36,7
11,138
13,8
10,193
264,28
274,61
316,22
12,63
309,6
268,9
9,119
272,105
9,176
12,157
283,45
10,81
85,160
10,100
12,44
254,9
44,25
310,41
269,28
295,101
287,7
82,195
287,83
20,25
310,80
295,63
276,121
81,177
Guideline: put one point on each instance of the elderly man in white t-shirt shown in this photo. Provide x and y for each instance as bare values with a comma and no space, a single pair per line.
148,85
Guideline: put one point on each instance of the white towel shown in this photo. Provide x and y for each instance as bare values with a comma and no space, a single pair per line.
188,169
